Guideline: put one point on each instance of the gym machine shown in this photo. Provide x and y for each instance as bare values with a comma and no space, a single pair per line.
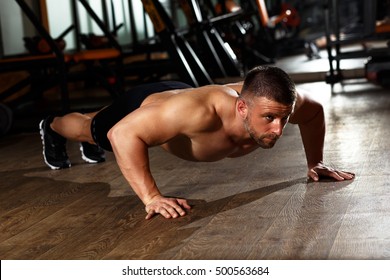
186,62
145,60
149,59
281,32
367,30
48,66
102,55
239,30
44,70
209,44
258,37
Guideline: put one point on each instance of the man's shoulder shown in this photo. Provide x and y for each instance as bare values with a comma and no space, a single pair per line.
206,93
207,100
221,91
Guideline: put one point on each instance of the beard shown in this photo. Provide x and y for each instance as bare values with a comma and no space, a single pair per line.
265,141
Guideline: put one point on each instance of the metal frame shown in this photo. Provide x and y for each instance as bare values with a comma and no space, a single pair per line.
188,65
333,47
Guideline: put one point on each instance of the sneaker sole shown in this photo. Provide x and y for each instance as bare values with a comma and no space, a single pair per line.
43,144
85,158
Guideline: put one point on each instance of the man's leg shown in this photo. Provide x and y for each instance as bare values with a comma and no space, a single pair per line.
92,128
74,126
77,127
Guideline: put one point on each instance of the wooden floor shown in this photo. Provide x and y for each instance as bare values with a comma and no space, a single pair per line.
256,207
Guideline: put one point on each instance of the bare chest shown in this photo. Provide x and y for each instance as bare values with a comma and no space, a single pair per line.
206,147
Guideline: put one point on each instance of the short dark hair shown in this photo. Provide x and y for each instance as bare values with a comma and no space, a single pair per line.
270,82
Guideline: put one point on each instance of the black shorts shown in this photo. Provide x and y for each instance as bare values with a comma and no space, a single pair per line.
123,105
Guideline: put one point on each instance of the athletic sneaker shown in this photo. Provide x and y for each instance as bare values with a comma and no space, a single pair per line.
54,146
92,153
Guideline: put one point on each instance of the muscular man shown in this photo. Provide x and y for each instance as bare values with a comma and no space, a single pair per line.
198,124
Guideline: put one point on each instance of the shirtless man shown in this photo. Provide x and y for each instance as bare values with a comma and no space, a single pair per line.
198,124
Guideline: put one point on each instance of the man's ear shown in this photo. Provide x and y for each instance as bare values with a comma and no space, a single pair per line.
242,108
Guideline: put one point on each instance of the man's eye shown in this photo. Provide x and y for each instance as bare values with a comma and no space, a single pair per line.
270,118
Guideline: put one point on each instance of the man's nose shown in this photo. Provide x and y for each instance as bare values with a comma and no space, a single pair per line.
277,128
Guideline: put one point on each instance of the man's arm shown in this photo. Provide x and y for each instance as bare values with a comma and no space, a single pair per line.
309,115
130,139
